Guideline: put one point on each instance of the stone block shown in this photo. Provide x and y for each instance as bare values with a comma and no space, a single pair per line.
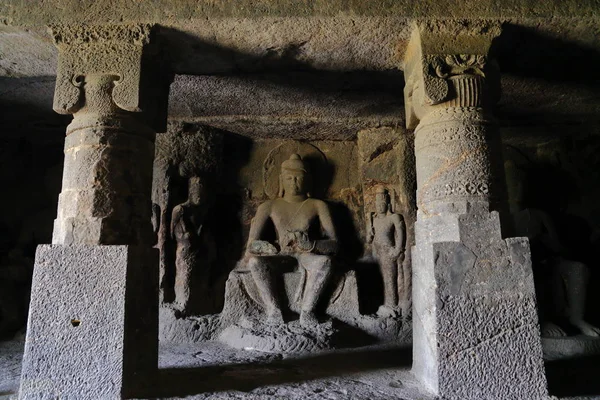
93,322
475,320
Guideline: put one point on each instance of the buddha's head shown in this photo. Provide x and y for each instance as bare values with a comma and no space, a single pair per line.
382,200
294,178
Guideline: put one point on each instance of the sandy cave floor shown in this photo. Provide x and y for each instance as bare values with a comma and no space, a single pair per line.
212,370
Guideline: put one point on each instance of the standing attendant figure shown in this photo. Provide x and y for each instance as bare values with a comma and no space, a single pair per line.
386,231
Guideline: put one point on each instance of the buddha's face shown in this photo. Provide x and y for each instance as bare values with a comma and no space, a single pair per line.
293,181
381,203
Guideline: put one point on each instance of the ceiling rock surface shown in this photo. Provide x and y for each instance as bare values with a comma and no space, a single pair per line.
321,69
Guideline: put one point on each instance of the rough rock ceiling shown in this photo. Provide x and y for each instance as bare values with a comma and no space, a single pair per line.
320,69
168,12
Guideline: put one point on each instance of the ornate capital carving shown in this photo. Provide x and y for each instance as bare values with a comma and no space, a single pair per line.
458,64
86,51
447,64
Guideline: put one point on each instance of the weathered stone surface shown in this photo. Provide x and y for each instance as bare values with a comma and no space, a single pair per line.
287,338
175,327
334,163
100,339
546,58
92,50
342,302
265,106
386,157
16,13
93,322
105,197
474,308
336,181
189,149
281,50
386,231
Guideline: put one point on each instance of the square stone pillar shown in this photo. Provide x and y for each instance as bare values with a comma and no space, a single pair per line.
475,324
93,319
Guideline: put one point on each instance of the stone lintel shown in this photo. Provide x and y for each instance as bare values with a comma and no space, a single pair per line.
86,50
439,51
93,322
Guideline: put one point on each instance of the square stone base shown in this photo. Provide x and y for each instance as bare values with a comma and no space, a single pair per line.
475,324
93,322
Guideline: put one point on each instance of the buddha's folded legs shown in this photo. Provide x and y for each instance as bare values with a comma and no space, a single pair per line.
262,268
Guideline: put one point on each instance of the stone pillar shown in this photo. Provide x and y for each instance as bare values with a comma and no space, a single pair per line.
475,326
93,318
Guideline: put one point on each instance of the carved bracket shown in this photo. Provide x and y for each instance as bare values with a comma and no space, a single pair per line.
85,50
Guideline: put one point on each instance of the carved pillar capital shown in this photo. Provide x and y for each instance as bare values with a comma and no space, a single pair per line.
448,64
451,83
88,52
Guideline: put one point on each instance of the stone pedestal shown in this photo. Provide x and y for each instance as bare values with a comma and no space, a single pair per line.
93,323
476,332
243,306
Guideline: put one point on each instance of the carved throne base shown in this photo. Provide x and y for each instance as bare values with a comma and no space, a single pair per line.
346,326
243,308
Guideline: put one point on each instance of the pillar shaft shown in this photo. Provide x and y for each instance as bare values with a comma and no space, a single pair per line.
475,328
107,178
453,151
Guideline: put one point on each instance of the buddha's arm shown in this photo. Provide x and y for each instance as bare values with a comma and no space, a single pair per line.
399,228
550,238
258,222
328,246
255,244
370,228
176,231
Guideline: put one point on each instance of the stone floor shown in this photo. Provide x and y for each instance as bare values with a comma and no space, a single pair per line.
214,371
365,373
11,354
